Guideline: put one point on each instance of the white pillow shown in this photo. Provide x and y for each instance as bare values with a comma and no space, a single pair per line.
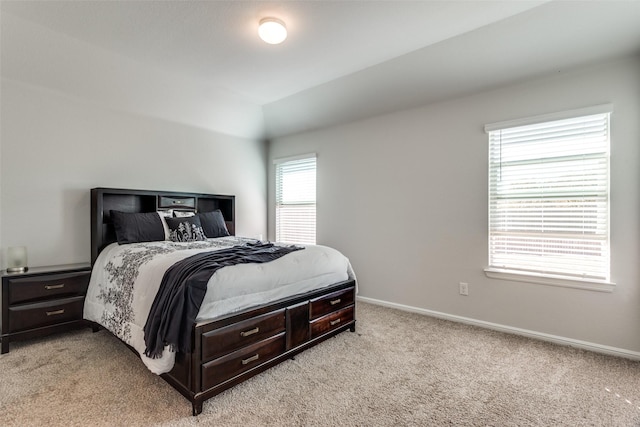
165,226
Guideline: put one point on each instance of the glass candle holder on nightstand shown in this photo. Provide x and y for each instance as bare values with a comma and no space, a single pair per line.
17,259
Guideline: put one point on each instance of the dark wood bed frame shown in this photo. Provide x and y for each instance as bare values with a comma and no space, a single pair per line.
230,349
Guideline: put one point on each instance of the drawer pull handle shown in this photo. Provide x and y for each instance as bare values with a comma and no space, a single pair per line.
49,287
249,332
335,301
55,312
251,359
334,322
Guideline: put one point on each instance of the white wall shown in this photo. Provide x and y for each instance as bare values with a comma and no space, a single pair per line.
55,148
41,57
75,116
404,196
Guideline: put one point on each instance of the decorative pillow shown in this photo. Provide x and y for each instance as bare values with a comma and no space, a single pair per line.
137,227
186,229
213,224
183,214
166,213
163,216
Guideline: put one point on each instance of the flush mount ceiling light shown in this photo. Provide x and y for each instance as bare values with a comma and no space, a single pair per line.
272,30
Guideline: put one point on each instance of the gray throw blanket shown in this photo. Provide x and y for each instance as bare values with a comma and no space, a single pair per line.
182,291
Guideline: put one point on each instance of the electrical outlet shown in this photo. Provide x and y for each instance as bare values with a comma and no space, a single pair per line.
464,288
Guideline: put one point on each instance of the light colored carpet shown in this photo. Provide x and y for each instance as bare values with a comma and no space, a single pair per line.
397,369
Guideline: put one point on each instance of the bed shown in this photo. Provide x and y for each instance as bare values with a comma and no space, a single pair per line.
252,316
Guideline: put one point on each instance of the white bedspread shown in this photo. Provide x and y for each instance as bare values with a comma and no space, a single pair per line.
125,280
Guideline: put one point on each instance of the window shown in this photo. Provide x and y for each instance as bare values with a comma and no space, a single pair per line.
296,199
549,199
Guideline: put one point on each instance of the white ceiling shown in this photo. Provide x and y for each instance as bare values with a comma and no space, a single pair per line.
345,60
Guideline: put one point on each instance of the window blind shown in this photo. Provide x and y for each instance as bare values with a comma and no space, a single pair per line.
296,200
549,198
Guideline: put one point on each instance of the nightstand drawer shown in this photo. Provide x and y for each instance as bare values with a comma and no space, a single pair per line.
27,316
331,321
329,303
47,286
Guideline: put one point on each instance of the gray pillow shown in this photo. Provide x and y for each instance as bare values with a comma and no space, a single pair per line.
213,224
137,227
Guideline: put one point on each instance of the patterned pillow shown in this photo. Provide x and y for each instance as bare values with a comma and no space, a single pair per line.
186,229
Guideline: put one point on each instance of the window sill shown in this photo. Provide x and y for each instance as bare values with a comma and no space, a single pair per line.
551,280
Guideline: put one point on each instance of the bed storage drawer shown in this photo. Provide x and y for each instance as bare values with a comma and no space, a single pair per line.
45,287
329,303
331,321
229,338
27,316
233,364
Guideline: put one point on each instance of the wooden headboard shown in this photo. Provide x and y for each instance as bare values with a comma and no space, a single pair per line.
103,200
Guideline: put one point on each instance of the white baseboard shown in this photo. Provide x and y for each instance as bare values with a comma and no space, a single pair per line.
598,348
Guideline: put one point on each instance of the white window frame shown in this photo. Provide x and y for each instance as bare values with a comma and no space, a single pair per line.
602,283
295,218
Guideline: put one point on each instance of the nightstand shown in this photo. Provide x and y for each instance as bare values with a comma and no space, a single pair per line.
42,301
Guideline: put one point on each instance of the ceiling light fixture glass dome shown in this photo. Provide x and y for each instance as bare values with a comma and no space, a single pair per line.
272,30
